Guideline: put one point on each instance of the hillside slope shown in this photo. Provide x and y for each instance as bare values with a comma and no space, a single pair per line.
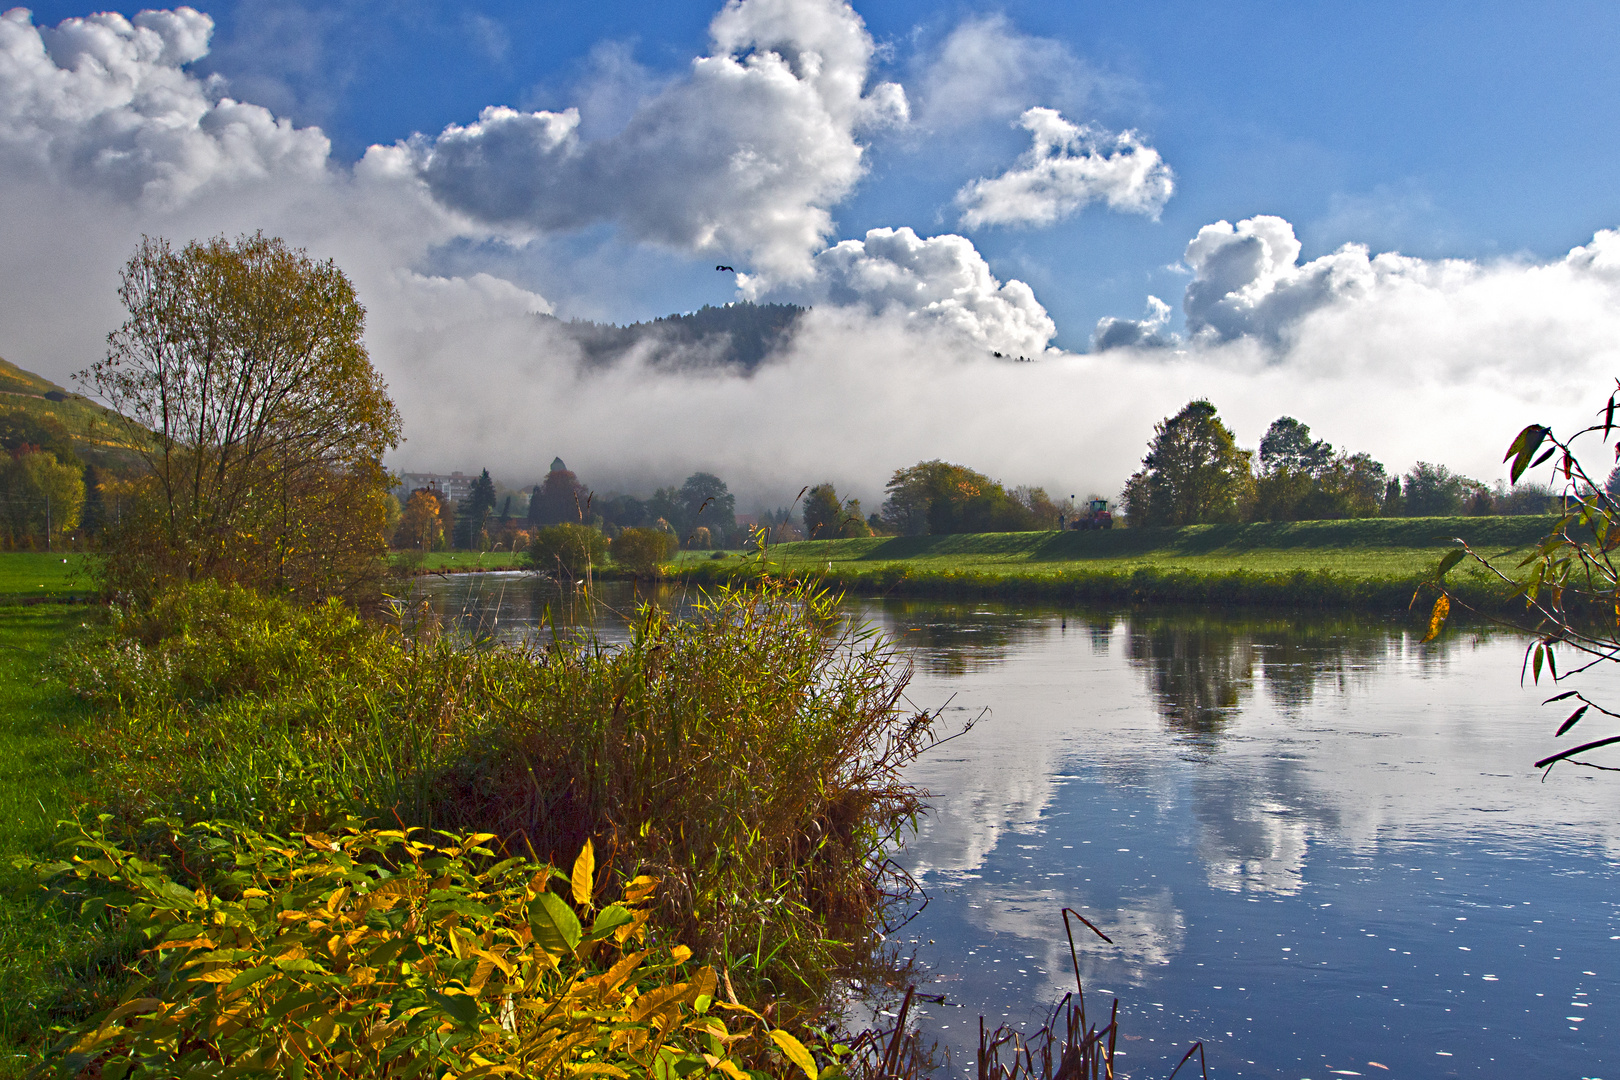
95,433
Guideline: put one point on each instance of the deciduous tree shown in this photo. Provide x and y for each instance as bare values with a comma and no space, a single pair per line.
40,497
241,377
1194,471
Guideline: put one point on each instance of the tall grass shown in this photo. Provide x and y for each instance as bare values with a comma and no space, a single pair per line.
748,755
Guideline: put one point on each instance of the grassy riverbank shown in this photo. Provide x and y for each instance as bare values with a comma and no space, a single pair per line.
1369,563
218,709
457,562
50,967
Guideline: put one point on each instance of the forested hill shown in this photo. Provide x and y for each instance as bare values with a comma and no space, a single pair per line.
739,336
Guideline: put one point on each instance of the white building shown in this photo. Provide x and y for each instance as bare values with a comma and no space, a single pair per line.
454,486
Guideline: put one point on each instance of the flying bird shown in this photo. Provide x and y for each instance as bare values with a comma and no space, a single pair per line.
727,269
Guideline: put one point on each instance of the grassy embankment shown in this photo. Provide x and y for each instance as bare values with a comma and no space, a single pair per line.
220,707
51,968
1369,563
458,562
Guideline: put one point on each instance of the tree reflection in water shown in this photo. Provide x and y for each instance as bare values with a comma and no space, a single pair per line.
1199,670
1201,667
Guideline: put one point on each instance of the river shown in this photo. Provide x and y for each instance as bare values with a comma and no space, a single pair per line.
1317,843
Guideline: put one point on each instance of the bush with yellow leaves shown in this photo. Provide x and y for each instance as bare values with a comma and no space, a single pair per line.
383,953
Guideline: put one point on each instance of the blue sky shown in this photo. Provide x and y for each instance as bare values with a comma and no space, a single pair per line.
1437,129
1476,140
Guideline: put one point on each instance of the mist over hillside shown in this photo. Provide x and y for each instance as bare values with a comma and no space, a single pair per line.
736,338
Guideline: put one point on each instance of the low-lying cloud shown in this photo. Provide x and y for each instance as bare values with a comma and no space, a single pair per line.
938,282
105,134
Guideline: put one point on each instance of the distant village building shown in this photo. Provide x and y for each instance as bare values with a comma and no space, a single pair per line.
453,486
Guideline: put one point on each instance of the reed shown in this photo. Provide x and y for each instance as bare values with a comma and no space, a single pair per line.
747,755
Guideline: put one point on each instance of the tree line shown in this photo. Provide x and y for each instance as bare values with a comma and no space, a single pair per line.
1195,473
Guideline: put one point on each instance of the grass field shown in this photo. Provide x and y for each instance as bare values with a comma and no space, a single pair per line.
48,962
458,562
1369,562
34,574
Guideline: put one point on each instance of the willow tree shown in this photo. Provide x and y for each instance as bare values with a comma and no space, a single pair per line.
242,377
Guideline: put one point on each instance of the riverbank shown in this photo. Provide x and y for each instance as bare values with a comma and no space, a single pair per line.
54,968
411,564
1369,564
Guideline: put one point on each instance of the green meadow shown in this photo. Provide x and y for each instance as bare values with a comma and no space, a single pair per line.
1359,563
459,562
32,575
53,968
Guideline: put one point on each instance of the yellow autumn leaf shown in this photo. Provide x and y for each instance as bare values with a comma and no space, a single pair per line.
1437,617
584,878
795,1051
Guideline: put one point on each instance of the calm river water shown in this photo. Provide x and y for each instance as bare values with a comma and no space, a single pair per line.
1317,844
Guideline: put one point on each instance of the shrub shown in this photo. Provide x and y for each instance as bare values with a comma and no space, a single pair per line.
366,953
567,549
642,551
748,755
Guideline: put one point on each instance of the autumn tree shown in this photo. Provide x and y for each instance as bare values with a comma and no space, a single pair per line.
827,517
1194,472
421,524
241,378
937,497
40,497
642,551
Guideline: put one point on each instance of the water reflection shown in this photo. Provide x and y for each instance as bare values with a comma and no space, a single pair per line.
1296,830
1198,669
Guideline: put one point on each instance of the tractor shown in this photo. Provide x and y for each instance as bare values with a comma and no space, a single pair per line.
1095,516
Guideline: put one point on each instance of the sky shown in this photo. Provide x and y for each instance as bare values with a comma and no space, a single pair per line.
1391,221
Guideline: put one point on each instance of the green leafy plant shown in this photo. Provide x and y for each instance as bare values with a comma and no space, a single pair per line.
568,550
749,755
384,953
1569,582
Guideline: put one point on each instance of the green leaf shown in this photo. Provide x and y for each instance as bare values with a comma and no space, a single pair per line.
553,923
1523,448
1535,664
461,1008
1452,558
608,920
251,976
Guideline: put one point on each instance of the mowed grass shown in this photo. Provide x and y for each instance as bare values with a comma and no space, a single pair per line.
1380,548
51,963
440,562
25,574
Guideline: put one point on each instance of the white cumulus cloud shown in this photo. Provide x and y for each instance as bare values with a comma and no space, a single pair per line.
742,158
1067,167
104,103
938,282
